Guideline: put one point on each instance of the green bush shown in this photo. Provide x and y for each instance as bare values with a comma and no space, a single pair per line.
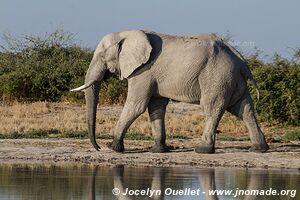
43,69
46,68
113,91
279,85
75,134
292,135
29,135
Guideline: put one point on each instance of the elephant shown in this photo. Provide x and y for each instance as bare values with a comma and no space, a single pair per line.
199,69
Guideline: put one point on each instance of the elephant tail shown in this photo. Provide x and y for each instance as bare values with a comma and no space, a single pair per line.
245,70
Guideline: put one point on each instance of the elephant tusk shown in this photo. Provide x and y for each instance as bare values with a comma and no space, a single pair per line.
82,87
79,88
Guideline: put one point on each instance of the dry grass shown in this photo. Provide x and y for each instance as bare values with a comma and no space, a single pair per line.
182,119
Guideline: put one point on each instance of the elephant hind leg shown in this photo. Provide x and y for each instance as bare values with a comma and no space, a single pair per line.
214,108
244,109
207,144
157,110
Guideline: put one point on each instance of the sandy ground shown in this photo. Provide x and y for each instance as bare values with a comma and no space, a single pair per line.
228,154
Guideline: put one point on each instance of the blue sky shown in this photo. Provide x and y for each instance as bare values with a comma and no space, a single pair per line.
271,26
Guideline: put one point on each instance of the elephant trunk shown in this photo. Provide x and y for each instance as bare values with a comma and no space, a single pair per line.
91,87
91,98
95,75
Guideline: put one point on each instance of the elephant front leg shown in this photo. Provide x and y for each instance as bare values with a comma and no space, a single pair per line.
138,98
130,112
157,110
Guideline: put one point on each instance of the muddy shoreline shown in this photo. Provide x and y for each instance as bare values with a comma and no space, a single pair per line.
80,151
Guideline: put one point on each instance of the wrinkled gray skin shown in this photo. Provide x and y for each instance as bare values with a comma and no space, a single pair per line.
199,69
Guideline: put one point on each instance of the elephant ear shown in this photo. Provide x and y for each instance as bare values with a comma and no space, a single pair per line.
135,51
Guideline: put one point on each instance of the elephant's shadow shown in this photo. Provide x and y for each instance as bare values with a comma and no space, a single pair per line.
273,148
285,148
147,149
220,150
223,149
175,149
144,150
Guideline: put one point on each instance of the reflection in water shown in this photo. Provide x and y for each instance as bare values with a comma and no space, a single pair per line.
91,184
72,182
207,180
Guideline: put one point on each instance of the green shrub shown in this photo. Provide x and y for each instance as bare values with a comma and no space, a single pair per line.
75,134
279,85
104,136
30,134
44,68
113,91
177,136
292,135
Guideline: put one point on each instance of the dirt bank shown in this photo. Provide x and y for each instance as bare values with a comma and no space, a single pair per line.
228,154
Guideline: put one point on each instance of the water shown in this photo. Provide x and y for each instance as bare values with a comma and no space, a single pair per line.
86,182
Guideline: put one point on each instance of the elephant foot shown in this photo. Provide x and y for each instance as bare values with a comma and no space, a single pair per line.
205,148
160,148
259,148
117,145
